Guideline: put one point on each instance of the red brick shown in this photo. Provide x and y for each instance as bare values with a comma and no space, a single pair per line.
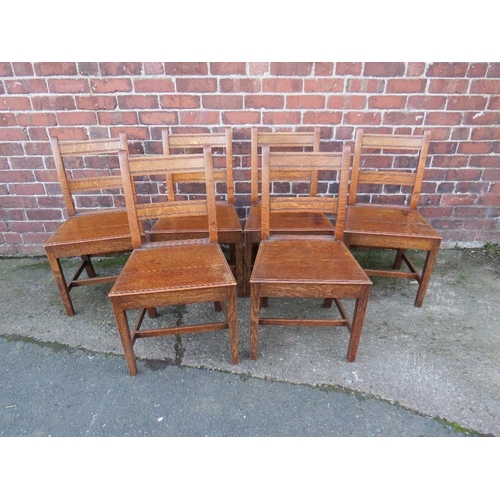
484,161
55,68
44,214
448,86
222,101
69,134
12,238
158,118
38,148
281,117
323,117
346,102
110,85
493,70
133,133
8,120
9,176
228,68
243,85
199,117
384,69
120,68
285,85
494,103
475,148
415,69
5,69
26,86
361,118
11,149
26,189
305,101
291,68
467,102
469,212
426,102
186,68
153,68
77,118
258,68
38,134
477,70
180,101
138,102
15,103
241,117
485,133
406,86
403,118
481,118
443,118
364,85
445,69
348,68
68,86
491,200
53,102
324,85
36,119
196,85
152,85
264,101
387,102
463,174
13,134
491,174
117,118
485,87
88,68
323,69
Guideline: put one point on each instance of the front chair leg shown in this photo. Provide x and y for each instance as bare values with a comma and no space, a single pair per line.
127,344
426,273
57,271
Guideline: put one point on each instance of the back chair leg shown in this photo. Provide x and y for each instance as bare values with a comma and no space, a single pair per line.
399,259
60,280
89,267
240,275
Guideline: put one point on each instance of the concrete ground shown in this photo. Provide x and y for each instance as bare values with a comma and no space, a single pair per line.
430,371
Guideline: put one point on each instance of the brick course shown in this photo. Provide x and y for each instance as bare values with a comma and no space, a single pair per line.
458,102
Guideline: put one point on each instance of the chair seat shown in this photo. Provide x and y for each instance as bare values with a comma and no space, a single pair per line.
388,221
227,222
308,261
166,268
289,222
102,226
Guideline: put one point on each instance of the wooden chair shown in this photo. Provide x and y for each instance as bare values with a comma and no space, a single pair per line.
398,227
171,272
293,222
307,265
194,226
86,233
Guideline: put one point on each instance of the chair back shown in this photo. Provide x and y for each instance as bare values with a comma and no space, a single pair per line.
284,141
101,149
134,169
383,169
284,165
193,143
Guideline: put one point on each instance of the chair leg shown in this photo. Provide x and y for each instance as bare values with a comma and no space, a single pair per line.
247,264
240,274
89,267
57,271
399,259
327,303
217,307
152,313
124,331
426,273
254,320
357,325
232,320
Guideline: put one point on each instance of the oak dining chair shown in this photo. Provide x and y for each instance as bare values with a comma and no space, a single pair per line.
381,160
307,265
168,273
87,232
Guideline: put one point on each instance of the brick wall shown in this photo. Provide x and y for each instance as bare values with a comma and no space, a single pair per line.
458,102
